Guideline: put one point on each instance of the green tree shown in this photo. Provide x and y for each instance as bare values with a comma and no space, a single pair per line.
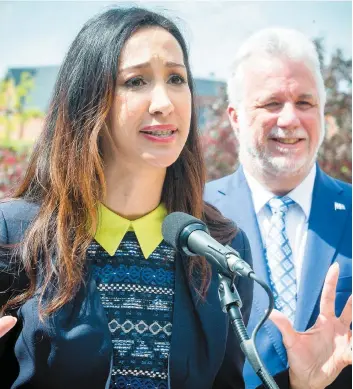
335,155
14,99
338,82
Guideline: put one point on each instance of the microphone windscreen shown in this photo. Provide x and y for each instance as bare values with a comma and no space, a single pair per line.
174,224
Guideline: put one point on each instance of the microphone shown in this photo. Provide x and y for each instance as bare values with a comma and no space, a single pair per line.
190,235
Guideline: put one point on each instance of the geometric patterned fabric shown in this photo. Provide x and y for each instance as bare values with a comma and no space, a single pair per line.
280,259
138,296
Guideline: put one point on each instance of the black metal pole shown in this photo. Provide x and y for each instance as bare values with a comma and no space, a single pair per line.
231,303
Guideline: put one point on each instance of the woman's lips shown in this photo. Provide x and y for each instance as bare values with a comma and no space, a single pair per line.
159,127
162,133
160,136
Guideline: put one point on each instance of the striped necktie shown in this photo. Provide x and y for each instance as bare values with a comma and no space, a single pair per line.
280,259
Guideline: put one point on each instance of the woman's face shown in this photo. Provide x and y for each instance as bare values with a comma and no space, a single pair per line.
150,118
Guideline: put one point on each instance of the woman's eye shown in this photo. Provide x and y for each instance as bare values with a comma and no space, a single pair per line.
176,79
135,82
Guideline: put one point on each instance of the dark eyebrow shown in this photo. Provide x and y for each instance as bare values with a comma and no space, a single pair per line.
143,65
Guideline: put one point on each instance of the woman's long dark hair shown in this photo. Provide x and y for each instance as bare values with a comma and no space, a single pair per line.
65,173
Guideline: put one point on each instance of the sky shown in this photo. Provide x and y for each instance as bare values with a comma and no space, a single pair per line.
34,33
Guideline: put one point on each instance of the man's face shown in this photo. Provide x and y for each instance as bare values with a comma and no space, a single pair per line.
279,122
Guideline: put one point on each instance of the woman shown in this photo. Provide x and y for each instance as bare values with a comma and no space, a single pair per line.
119,151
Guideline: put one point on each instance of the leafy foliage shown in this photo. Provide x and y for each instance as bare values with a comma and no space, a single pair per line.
14,111
13,163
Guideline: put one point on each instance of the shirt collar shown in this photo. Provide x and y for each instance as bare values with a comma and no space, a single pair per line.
112,229
302,194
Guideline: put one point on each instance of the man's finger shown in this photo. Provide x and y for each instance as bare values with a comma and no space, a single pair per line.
327,302
6,323
284,325
346,315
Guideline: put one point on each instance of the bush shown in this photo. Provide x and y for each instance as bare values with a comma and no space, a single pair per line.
335,156
13,164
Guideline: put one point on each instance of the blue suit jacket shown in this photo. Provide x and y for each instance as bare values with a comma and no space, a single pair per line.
329,239
73,350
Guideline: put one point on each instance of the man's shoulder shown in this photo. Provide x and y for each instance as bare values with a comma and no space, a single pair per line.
213,187
347,187
220,181
343,186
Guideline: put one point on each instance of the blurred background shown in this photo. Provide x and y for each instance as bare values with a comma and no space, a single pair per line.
34,38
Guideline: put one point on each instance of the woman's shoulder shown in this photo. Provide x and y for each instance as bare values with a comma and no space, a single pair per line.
240,240
241,244
18,208
15,216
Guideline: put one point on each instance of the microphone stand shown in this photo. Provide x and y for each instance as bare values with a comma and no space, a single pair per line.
231,303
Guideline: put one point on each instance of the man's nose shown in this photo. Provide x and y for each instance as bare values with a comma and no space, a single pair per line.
160,101
288,117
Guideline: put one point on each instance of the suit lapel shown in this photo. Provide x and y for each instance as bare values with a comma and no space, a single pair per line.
235,202
324,231
239,207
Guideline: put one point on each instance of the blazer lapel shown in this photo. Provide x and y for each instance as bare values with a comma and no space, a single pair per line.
235,202
197,329
324,231
179,350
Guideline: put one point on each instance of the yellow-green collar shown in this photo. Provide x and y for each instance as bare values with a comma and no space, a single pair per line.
112,229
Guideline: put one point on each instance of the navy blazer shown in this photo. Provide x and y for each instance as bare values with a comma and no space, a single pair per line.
73,349
329,240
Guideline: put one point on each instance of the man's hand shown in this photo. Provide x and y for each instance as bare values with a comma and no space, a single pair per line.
318,355
6,323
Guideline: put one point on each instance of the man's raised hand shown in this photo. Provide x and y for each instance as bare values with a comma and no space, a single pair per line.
318,355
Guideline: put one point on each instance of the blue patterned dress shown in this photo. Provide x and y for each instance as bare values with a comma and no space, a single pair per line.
137,295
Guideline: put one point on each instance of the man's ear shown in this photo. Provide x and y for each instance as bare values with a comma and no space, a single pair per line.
233,118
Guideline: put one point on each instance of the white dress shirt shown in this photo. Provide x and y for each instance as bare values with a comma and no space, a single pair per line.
296,218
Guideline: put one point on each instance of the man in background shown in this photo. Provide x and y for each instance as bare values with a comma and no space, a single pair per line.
297,218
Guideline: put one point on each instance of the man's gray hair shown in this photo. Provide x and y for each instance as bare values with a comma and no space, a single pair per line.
275,42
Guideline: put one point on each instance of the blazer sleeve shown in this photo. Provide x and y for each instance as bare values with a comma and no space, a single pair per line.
230,375
343,381
12,281
12,278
